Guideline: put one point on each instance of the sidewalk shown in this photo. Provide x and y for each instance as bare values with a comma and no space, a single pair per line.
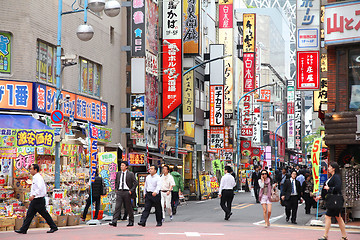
349,225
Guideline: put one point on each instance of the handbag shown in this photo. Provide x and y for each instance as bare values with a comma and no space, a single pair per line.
334,201
274,195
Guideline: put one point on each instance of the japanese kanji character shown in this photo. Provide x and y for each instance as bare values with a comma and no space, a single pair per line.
2,92
31,138
21,95
40,138
48,140
4,41
138,17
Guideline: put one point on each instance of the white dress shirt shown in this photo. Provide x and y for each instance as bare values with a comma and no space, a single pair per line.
153,183
293,183
227,182
125,185
167,182
38,187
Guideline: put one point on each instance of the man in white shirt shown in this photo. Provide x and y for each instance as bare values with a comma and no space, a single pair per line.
226,192
37,202
167,185
152,197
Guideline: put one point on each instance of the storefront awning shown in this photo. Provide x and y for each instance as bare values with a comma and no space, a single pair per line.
21,122
168,159
180,150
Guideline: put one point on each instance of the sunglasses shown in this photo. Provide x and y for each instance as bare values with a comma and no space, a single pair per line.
264,174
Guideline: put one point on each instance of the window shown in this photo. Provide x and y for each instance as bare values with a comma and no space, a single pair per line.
112,113
197,83
354,79
111,35
202,86
45,62
90,77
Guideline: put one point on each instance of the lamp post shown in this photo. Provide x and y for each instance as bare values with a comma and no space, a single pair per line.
238,128
276,146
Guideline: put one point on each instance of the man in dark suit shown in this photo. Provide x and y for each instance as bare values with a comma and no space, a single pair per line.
291,194
255,182
125,185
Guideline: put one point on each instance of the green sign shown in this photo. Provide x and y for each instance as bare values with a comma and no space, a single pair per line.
5,52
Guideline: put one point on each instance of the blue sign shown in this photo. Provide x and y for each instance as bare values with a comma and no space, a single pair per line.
323,178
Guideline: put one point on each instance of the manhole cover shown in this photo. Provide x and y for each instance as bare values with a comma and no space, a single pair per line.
130,235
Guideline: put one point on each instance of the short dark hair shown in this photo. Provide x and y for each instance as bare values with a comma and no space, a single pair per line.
228,169
294,171
124,162
167,167
155,167
175,168
36,167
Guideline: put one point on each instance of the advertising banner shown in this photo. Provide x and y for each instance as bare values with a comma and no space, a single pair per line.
136,159
249,23
191,34
308,72
246,117
249,71
320,97
141,177
216,105
297,120
107,170
290,114
25,156
16,95
152,137
93,134
26,138
256,137
138,28
229,137
152,26
5,52
217,137
172,13
189,128
137,116
315,162
226,15
188,97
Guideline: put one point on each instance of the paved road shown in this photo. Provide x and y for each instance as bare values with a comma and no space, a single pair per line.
203,220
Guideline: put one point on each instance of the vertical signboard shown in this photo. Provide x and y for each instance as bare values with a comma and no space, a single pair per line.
249,71
216,67
297,120
290,113
137,116
191,33
316,162
172,56
249,21
307,74
93,132
246,117
5,52
320,97
217,138
256,137
188,97
216,105
138,28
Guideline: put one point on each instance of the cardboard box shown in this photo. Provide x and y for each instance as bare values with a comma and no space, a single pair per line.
34,222
10,228
62,221
18,223
41,222
73,220
2,229
7,222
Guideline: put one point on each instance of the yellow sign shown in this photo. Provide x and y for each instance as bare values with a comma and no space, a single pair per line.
249,32
189,128
315,161
191,33
107,170
321,96
188,97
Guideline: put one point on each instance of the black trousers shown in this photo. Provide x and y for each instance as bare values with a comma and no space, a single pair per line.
95,200
309,202
291,207
151,201
123,197
227,197
174,200
256,192
37,206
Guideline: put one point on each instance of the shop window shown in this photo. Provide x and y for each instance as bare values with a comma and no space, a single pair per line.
45,62
5,52
90,78
354,79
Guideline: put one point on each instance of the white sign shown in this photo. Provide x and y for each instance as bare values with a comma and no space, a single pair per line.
342,23
308,38
256,138
58,193
151,64
172,19
152,136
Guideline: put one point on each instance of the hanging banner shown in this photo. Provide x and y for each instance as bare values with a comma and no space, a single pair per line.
93,133
229,137
191,33
249,23
315,162
249,71
188,97
216,105
107,170
137,116
307,74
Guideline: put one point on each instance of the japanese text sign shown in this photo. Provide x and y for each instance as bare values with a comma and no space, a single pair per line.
246,116
216,105
188,97
225,16
342,22
191,34
172,15
16,95
249,22
93,134
256,137
137,116
265,95
5,52
151,64
249,71
58,194
136,159
138,28
308,70
315,162
172,76
297,120
34,138
108,169
320,96
217,137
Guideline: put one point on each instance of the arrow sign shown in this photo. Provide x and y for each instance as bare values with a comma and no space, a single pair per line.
57,116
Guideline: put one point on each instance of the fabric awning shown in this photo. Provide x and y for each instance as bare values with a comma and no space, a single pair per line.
21,122
168,159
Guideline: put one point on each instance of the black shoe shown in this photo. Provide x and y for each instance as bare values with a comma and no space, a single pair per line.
228,216
141,224
287,219
174,211
130,224
293,222
21,232
159,224
113,224
307,212
257,201
52,230
123,219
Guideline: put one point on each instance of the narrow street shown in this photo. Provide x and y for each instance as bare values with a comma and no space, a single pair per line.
201,219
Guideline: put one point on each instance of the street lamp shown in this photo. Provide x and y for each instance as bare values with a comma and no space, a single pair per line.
238,128
276,146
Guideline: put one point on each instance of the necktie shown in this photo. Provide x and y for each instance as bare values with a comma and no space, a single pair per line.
122,180
292,187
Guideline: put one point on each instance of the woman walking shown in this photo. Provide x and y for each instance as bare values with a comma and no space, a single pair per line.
265,184
308,192
332,186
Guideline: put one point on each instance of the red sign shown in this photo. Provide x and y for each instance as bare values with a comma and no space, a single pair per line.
249,71
265,95
172,75
226,16
57,116
216,105
136,159
290,108
308,71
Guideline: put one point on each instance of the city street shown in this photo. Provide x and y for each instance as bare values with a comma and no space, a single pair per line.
201,219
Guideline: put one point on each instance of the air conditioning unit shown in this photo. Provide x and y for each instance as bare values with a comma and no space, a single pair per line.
206,30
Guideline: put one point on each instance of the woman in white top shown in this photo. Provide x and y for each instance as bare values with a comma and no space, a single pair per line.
265,184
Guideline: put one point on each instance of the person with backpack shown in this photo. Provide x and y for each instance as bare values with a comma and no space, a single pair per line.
177,189
96,192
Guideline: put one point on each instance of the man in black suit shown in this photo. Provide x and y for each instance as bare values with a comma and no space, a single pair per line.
255,182
291,194
125,185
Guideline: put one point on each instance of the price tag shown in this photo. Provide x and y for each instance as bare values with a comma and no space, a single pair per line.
59,194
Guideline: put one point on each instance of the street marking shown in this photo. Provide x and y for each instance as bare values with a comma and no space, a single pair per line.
194,234
271,220
244,206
